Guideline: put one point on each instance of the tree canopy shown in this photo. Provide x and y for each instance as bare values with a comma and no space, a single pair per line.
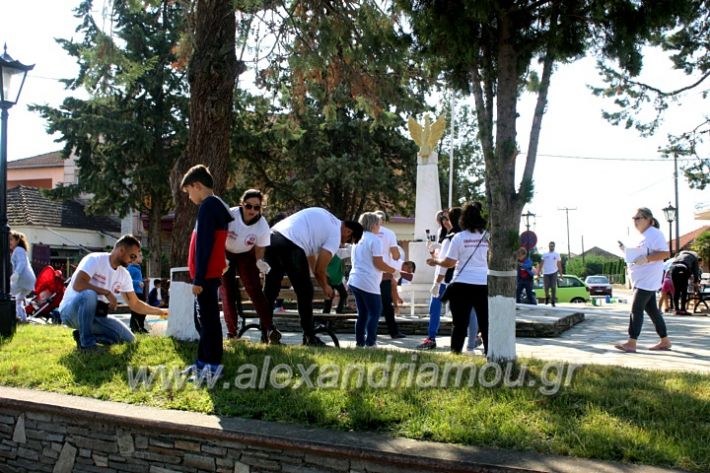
129,133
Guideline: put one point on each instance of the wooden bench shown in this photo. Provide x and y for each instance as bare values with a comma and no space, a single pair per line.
324,323
701,293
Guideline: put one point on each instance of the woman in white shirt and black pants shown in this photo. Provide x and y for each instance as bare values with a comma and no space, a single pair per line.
468,251
646,274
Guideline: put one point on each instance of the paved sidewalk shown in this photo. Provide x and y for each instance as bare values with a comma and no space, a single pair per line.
591,341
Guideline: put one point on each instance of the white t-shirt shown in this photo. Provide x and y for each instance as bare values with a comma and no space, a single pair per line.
549,262
364,275
241,237
649,276
101,274
388,240
463,244
311,230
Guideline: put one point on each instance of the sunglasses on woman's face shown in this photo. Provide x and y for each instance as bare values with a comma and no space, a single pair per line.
250,206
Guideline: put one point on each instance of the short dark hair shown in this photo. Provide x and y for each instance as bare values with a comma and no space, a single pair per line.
356,228
127,241
412,264
157,282
251,193
471,218
198,173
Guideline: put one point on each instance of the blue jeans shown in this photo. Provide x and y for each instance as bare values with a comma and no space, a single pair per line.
435,313
527,286
81,314
472,331
369,308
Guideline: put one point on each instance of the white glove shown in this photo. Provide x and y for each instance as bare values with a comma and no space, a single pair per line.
643,259
435,289
263,266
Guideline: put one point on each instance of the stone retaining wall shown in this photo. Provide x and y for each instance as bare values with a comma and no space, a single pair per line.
46,432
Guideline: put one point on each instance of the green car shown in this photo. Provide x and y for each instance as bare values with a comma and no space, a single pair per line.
569,289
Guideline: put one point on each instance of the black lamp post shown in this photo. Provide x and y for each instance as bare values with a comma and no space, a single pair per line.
12,78
669,213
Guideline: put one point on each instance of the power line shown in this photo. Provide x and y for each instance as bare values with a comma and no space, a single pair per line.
600,158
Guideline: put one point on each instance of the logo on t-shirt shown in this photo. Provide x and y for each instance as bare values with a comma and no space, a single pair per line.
250,240
116,288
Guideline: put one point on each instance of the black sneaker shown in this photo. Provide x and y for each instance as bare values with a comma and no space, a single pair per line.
77,338
274,337
313,341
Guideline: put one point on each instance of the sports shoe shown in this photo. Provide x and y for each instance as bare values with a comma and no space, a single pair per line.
428,344
279,310
313,341
274,337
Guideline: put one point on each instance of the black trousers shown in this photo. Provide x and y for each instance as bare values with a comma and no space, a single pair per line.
388,306
285,257
680,274
328,303
463,298
208,324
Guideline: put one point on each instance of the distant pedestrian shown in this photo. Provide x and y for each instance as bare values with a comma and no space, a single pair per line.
646,272
524,291
550,268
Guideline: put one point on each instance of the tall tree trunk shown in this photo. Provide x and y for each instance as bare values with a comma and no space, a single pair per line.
212,72
504,206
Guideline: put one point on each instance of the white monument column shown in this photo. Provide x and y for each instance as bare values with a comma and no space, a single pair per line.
428,203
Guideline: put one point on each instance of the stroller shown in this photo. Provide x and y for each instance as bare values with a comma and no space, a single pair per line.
49,290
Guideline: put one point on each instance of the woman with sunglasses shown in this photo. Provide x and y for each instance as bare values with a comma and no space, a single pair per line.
646,273
248,236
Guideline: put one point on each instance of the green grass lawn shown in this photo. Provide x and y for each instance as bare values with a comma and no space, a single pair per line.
609,413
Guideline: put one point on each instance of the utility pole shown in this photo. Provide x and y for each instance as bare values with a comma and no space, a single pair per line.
527,216
566,210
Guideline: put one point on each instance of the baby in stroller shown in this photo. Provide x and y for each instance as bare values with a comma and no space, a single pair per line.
48,293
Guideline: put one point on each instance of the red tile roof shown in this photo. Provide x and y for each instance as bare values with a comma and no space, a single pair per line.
47,160
688,239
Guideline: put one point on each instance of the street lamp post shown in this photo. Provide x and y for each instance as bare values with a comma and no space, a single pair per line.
669,213
12,78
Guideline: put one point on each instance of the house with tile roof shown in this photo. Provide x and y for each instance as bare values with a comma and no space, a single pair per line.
60,233
43,171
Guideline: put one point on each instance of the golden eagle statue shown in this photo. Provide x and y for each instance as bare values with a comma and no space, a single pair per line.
428,135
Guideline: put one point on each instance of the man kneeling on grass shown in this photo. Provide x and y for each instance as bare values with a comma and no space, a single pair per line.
92,292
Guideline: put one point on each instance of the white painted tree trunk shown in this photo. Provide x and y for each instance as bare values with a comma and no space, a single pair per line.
501,329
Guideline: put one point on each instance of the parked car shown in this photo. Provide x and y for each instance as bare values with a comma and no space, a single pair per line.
598,285
569,289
